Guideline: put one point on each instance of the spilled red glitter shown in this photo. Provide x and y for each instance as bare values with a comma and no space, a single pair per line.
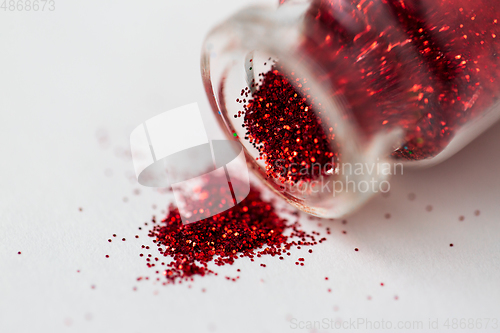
250,229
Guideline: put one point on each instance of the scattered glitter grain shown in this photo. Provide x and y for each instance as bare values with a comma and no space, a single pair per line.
250,229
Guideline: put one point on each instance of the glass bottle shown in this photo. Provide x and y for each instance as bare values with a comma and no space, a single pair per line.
391,83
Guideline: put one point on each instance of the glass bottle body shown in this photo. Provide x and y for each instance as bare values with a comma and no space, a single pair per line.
390,82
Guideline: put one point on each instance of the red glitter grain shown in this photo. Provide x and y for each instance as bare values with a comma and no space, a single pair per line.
223,238
283,126
428,67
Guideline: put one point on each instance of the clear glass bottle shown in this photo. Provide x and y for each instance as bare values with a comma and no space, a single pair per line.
392,83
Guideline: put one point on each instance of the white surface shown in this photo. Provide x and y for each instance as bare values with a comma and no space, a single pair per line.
140,149
93,65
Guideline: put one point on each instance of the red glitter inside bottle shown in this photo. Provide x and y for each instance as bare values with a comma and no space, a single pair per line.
355,81
286,130
426,66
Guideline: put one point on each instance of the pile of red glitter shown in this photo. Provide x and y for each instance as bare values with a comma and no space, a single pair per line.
250,229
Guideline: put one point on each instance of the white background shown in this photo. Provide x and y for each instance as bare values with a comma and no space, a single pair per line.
99,68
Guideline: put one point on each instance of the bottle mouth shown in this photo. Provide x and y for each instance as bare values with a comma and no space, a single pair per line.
286,131
296,134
